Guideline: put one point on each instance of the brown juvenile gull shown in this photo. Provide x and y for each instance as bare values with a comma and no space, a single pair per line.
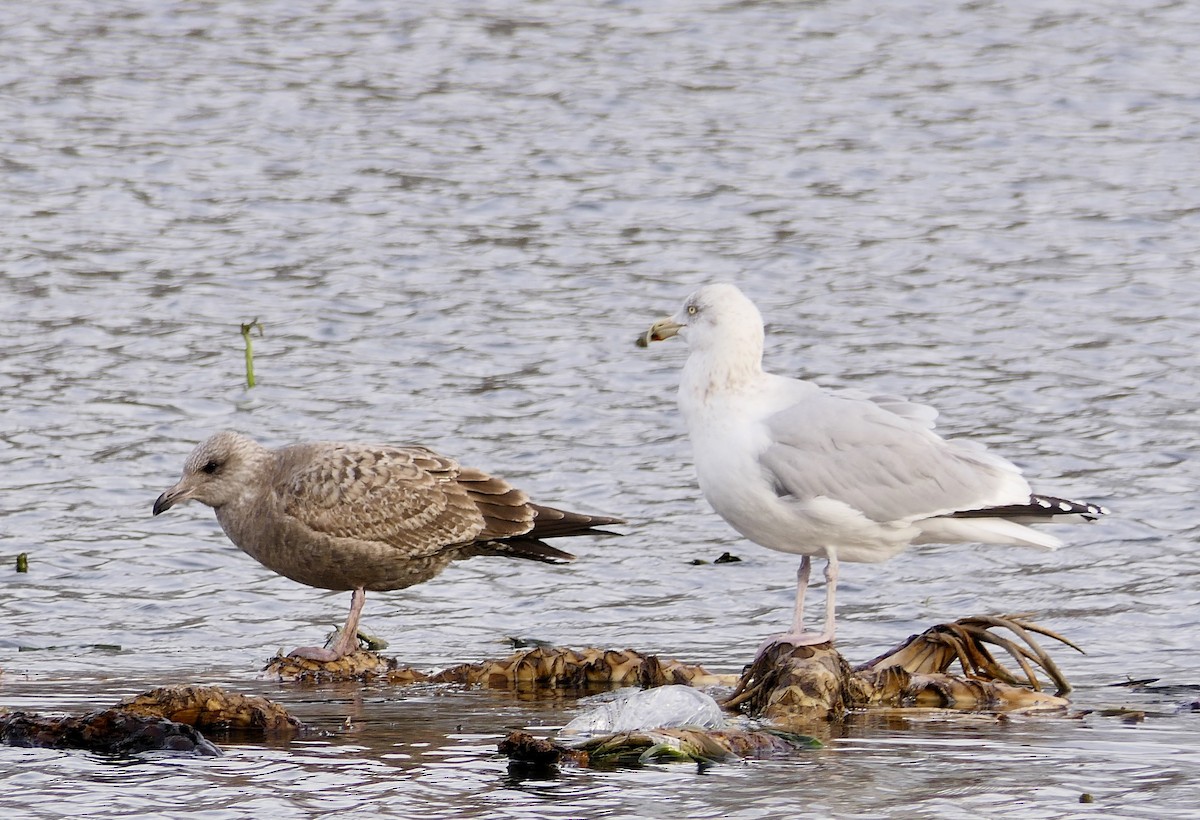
341,516
842,474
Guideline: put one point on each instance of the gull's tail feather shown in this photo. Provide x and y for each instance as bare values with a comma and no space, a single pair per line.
949,530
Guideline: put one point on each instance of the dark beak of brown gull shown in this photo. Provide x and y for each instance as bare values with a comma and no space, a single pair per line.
166,501
659,331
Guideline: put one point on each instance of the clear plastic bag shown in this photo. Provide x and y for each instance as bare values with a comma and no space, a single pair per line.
641,709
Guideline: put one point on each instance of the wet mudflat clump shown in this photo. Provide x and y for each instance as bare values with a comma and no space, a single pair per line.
787,690
169,719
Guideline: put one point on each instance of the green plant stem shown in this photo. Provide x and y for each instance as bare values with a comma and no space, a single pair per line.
246,328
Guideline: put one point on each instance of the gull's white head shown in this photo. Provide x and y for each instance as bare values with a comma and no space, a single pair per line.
715,318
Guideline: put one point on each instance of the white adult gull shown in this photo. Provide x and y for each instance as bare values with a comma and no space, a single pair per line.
840,474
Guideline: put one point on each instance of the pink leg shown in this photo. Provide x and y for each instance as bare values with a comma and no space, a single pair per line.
797,636
802,575
347,639
831,579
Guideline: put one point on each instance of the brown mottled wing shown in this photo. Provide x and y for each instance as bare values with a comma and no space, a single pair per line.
506,510
549,522
514,525
407,497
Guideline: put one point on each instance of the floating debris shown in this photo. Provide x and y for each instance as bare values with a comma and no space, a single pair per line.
360,665
212,709
787,687
791,687
796,685
1126,714
544,668
699,746
373,643
666,724
103,647
109,731
516,642
551,668
723,558
662,707
965,640
22,562
168,719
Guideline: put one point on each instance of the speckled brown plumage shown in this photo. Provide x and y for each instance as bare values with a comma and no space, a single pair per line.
340,516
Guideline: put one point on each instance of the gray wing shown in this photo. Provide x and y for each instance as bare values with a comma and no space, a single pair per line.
922,414
889,465
407,497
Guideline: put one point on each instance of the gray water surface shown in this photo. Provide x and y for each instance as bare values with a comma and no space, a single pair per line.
452,222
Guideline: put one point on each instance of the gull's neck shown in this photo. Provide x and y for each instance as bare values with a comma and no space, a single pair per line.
252,478
718,370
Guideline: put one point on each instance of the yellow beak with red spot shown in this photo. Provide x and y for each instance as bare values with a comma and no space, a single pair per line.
659,331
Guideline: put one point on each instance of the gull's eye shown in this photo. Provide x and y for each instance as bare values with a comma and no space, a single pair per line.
211,467
693,310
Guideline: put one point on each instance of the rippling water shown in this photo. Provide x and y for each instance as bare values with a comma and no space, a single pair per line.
452,223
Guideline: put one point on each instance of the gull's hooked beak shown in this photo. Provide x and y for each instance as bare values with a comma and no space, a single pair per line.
659,331
170,498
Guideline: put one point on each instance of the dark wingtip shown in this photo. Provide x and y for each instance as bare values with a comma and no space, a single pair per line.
1038,506
531,549
550,522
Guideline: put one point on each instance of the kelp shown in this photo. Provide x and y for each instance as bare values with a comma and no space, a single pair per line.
678,744
541,668
795,685
949,666
791,685
212,709
167,719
